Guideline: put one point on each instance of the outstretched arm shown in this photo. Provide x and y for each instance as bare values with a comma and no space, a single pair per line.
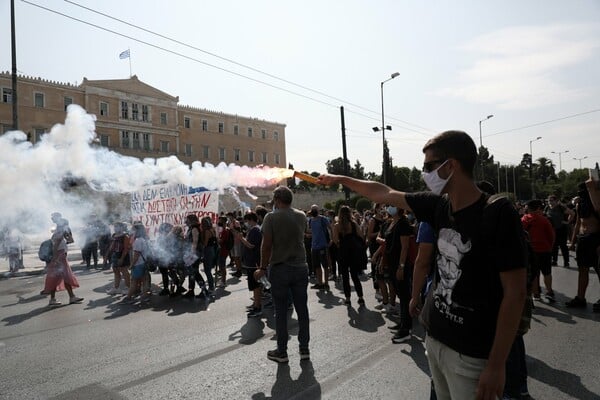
375,191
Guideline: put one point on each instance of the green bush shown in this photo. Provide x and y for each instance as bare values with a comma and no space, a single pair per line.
362,204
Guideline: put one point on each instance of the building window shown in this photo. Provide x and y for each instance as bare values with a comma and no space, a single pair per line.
236,154
204,125
134,111
145,116
188,150
264,158
250,156
276,136
187,123
124,110
146,141
276,158
125,139
236,129
221,153
104,140
103,108
205,152
6,95
38,100
263,133
164,146
163,118
221,127
38,134
5,128
68,101
136,140
249,131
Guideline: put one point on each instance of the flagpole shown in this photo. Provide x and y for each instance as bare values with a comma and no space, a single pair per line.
129,52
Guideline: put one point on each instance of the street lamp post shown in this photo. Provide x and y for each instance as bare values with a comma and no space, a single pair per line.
580,159
383,128
481,145
531,165
560,153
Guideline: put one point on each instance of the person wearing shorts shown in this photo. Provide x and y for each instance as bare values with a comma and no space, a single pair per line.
588,241
541,237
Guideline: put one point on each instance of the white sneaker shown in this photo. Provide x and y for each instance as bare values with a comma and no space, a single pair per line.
113,291
54,303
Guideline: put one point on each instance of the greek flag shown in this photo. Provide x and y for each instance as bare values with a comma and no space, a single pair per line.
124,54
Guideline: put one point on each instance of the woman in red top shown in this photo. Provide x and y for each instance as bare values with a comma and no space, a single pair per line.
541,237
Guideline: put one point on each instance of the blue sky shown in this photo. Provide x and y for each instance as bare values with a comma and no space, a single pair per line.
525,62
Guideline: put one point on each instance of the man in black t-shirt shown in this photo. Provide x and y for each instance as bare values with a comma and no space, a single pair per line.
480,284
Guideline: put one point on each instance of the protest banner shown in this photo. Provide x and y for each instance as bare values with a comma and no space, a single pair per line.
171,203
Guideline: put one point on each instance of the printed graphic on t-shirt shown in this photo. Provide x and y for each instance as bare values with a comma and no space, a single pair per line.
451,250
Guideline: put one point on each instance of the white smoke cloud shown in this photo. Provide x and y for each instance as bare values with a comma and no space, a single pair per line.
32,177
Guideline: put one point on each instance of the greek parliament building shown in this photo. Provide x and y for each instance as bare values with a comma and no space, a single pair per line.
136,119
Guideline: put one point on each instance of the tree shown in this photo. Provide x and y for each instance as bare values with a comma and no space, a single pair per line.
415,181
335,166
399,178
485,162
362,204
358,171
544,170
386,166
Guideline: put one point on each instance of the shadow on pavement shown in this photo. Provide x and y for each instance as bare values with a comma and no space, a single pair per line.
305,387
94,391
417,349
365,319
250,332
559,310
17,319
566,382
328,299
25,300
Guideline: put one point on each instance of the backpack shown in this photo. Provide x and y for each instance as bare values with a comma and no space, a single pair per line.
325,230
45,252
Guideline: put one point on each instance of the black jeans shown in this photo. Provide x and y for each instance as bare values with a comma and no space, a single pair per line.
285,278
169,272
560,241
403,290
89,251
349,271
193,272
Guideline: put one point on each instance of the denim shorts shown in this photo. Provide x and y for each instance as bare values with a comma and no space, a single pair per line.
137,271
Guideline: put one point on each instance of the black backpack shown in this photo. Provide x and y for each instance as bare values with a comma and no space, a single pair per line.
45,252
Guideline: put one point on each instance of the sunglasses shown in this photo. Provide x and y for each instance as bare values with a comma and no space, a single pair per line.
430,165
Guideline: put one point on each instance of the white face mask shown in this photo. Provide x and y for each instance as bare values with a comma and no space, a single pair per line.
434,182
392,211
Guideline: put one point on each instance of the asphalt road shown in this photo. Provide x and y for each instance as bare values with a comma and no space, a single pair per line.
179,349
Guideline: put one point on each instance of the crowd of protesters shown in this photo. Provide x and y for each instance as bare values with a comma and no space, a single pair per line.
412,242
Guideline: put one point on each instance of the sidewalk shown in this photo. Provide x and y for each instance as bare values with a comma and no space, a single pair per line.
34,266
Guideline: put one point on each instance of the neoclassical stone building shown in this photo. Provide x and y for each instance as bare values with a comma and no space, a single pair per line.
136,119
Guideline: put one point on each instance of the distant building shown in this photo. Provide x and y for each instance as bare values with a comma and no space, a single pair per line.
136,119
